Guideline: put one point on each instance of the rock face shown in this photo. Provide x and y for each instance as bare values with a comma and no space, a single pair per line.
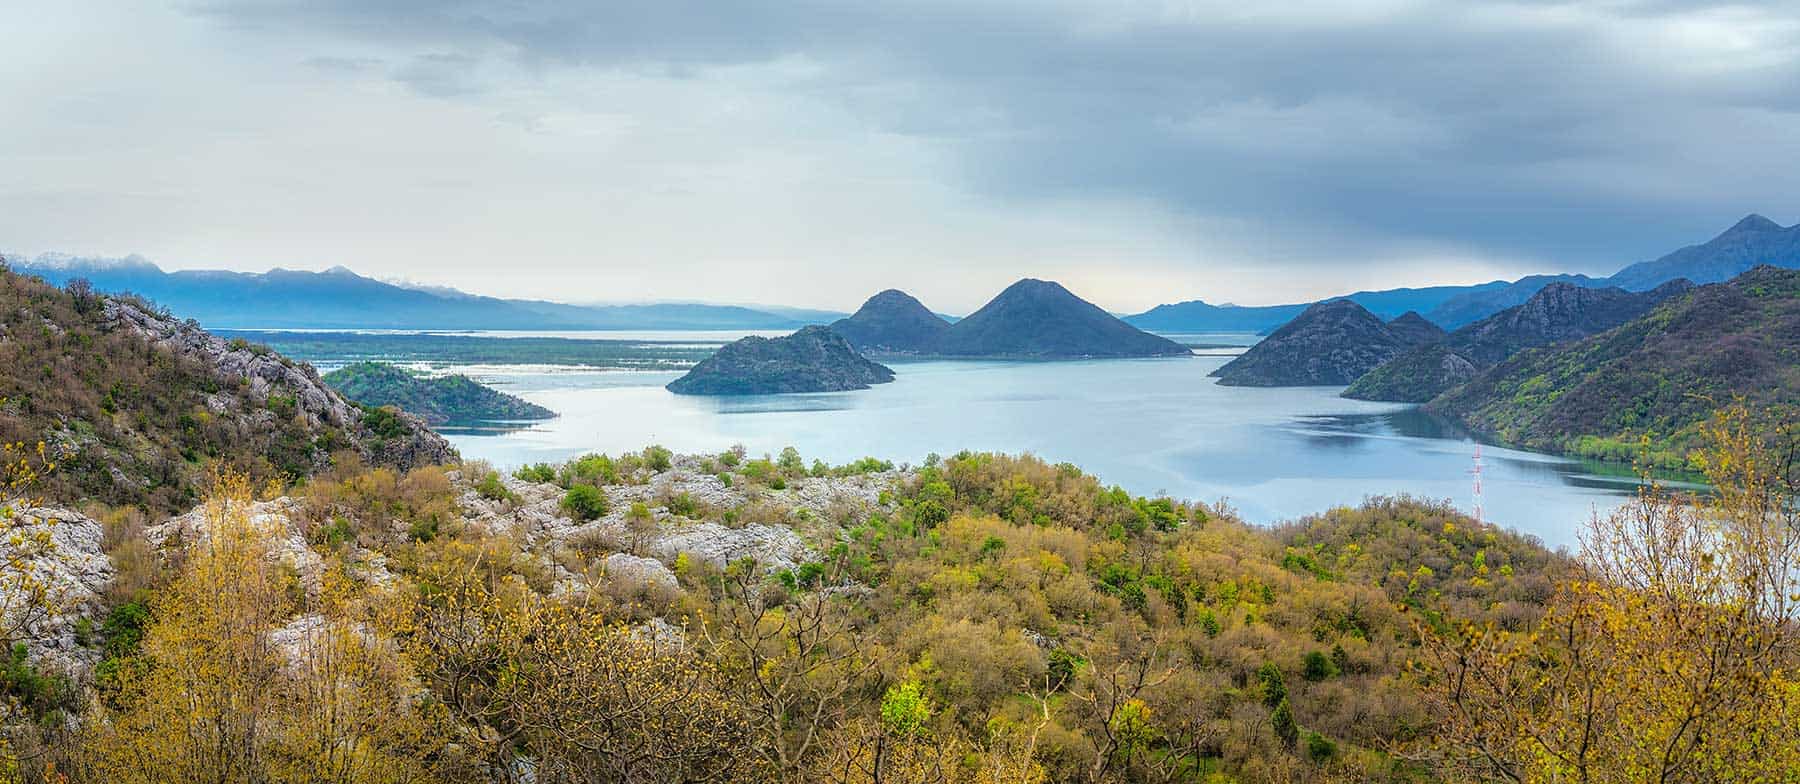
892,322
266,374
437,400
815,359
1037,319
1330,344
61,551
1558,313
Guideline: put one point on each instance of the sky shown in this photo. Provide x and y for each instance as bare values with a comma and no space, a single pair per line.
811,153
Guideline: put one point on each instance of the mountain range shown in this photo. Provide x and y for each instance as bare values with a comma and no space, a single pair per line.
1751,241
1558,313
340,299
1031,319
1659,375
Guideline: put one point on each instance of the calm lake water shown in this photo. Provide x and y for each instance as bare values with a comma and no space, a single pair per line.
1152,426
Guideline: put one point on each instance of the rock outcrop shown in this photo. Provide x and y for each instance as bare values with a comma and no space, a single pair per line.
265,375
60,552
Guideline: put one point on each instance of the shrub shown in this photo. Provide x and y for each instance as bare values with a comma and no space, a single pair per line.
584,502
491,488
658,458
1318,667
1318,747
541,473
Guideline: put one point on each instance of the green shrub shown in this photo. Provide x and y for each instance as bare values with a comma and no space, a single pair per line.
536,472
491,488
658,458
584,502
1318,667
1318,747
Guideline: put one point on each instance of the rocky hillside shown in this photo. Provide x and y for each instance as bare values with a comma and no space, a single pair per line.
133,405
1560,312
815,359
892,322
1330,344
1038,319
1415,329
438,400
1659,374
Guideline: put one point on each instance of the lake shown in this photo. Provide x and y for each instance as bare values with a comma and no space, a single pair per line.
1151,425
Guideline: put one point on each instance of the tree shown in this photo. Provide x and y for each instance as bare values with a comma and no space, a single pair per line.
556,685
1669,658
791,660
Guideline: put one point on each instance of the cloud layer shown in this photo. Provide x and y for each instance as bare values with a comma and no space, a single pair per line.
813,152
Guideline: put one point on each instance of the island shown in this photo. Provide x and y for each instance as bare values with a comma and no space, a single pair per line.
814,359
438,400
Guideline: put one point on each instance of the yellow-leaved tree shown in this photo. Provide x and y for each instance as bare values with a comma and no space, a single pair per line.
1672,657
235,683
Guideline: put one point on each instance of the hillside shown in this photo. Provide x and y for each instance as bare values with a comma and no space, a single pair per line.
438,399
1415,329
1037,319
134,405
1558,313
815,359
1330,344
341,299
1658,375
892,322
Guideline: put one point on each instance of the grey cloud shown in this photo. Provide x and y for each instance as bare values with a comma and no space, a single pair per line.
1593,133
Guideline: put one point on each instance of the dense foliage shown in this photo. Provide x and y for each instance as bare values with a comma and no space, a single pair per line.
436,399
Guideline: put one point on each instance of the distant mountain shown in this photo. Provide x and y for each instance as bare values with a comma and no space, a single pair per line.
1415,329
1753,241
1558,313
1330,344
1039,319
1660,374
438,400
341,299
1473,306
815,359
892,322
1199,316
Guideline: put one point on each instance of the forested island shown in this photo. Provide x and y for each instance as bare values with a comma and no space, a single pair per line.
436,399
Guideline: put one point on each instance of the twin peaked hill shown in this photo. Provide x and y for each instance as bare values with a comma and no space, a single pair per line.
1031,319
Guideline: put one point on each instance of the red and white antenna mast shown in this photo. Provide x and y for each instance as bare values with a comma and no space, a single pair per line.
1476,472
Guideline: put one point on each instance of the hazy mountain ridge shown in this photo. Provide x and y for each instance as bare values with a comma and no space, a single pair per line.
340,299
1751,241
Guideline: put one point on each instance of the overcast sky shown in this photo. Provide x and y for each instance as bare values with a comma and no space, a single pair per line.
812,153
